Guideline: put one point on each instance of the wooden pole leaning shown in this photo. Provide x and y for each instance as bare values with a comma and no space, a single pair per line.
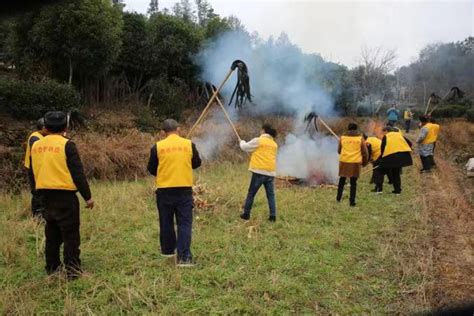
211,100
328,128
228,117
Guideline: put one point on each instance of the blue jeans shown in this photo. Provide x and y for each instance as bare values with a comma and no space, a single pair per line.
179,205
255,183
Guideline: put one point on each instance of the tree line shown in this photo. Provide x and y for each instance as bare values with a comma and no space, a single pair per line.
109,55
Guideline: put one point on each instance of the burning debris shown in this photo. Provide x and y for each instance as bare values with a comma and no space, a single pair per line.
242,88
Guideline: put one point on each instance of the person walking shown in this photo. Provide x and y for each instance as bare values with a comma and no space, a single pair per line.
36,205
426,142
262,165
172,161
396,154
407,116
393,115
353,154
57,173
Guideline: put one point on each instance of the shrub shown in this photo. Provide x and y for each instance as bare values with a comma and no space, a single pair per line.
470,115
31,100
455,110
169,98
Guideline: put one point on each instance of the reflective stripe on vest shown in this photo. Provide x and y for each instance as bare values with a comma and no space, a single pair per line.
431,136
174,162
48,159
27,162
376,147
395,143
264,157
350,149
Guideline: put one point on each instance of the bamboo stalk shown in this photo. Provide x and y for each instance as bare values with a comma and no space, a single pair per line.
227,116
328,128
368,170
229,73
428,105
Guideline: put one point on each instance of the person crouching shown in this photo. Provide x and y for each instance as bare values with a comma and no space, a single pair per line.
263,168
353,155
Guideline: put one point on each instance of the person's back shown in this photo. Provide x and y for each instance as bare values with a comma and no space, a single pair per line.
172,161
392,115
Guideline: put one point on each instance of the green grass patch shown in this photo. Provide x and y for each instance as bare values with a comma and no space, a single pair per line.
319,257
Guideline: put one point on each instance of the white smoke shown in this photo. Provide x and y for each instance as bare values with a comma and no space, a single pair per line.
283,80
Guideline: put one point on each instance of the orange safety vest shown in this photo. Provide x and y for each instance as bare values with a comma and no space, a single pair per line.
264,157
350,149
174,162
48,159
395,143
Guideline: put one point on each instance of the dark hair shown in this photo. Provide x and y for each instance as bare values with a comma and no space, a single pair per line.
40,123
423,119
55,122
269,130
352,127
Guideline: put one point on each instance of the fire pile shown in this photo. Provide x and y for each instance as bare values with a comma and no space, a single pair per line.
316,178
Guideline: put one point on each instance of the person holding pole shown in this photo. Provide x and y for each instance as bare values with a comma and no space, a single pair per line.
57,173
172,161
353,155
396,154
262,165
374,146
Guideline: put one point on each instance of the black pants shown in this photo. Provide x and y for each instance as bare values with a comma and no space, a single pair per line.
177,205
407,126
395,174
61,213
36,203
340,189
379,175
427,162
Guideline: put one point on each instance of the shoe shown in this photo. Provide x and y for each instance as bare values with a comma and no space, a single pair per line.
272,218
338,200
376,191
352,204
168,255
185,263
397,192
245,216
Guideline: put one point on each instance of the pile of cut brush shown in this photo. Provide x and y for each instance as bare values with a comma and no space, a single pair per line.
201,199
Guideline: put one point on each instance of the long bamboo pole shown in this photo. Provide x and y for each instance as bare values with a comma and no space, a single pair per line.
228,117
214,95
368,170
327,126
428,105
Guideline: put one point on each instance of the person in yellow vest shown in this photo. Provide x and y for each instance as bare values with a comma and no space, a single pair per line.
374,147
436,127
396,154
353,154
262,165
57,173
407,116
426,142
172,161
36,205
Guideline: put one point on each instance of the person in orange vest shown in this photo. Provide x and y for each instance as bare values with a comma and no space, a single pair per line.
426,142
407,116
353,155
374,147
36,205
396,154
437,129
172,161
57,173
262,165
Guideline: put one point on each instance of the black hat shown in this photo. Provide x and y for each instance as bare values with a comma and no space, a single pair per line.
55,121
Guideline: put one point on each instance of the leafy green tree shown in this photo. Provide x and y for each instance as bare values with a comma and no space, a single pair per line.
205,12
184,10
73,38
153,7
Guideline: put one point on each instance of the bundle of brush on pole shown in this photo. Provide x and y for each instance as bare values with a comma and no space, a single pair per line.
242,88
241,91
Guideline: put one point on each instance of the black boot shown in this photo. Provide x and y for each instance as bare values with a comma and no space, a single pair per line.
352,197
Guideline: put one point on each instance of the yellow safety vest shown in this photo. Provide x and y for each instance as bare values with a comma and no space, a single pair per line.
350,149
407,115
395,143
174,162
264,157
432,134
376,147
436,129
27,162
48,159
